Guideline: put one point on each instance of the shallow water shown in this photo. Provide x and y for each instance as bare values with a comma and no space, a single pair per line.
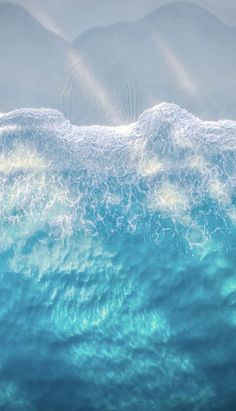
117,263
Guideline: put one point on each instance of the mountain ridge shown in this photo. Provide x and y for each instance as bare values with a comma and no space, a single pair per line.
33,68
163,56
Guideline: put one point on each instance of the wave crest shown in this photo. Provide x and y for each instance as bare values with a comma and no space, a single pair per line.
167,172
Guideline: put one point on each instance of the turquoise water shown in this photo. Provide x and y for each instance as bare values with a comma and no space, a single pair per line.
117,263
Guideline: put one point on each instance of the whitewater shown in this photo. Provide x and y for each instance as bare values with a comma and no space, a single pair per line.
117,263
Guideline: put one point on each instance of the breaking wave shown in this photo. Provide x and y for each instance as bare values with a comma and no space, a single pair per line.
117,263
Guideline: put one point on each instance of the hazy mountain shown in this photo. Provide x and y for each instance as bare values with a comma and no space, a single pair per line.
179,53
33,66
71,17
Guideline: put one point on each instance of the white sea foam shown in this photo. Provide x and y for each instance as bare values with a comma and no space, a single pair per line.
168,162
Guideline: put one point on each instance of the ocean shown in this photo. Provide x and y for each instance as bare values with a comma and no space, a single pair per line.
117,263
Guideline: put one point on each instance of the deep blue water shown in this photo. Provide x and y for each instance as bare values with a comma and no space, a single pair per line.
117,263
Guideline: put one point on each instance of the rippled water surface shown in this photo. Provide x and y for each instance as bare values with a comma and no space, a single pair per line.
117,263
